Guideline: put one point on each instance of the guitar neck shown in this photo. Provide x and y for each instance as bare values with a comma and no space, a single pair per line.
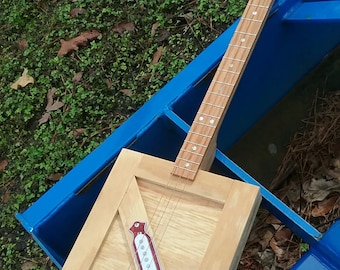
206,123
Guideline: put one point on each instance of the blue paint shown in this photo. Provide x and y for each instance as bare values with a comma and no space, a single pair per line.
324,255
288,48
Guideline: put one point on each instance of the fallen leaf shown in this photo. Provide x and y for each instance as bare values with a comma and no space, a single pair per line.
55,106
279,252
272,220
154,28
22,44
265,239
124,26
76,11
157,55
76,132
51,104
55,177
322,208
127,92
45,117
73,44
3,164
23,80
319,189
6,196
77,77
283,234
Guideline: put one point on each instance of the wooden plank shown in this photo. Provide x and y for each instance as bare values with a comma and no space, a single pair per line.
231,233
103,212
158,171
132,209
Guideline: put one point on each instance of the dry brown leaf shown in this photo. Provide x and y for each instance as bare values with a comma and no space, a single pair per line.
322,208
124,26
3,164
55,177
50,95
279,252
76,11
272,220
45,117
77,77
157,55
78,131
22,44
6,196
73,44
55,106
23,80
283,234
127,92
154,28
265,239
51,104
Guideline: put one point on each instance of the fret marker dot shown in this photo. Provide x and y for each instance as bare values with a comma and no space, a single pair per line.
211,121
194,148
221,88
201,118
231,65
254,12
243,39
187,164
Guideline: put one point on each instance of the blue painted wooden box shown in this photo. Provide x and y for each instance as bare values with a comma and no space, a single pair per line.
296,37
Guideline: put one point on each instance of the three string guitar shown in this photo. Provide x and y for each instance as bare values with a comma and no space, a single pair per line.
157,214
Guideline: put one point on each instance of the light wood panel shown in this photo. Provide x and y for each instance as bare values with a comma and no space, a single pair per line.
194,225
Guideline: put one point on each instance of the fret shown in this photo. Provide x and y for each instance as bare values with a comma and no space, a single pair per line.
229,71
195,143
203,124
200,134
250,19
192,152
239,46
184,168
245,33
209,115
203,130
234,59
213,105
260,6
224,83
218,94
188,161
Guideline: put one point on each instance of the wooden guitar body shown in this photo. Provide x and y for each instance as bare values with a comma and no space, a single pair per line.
201,224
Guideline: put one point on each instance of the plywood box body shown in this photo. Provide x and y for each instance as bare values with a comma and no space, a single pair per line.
201,224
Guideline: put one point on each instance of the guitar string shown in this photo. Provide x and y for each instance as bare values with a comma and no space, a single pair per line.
181,178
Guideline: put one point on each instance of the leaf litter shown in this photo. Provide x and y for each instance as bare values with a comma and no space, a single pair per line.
308,181
73,44
52,105
23,80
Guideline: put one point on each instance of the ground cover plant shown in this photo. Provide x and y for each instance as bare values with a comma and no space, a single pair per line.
70,73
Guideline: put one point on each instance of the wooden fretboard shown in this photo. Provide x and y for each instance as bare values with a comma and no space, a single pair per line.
221,90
